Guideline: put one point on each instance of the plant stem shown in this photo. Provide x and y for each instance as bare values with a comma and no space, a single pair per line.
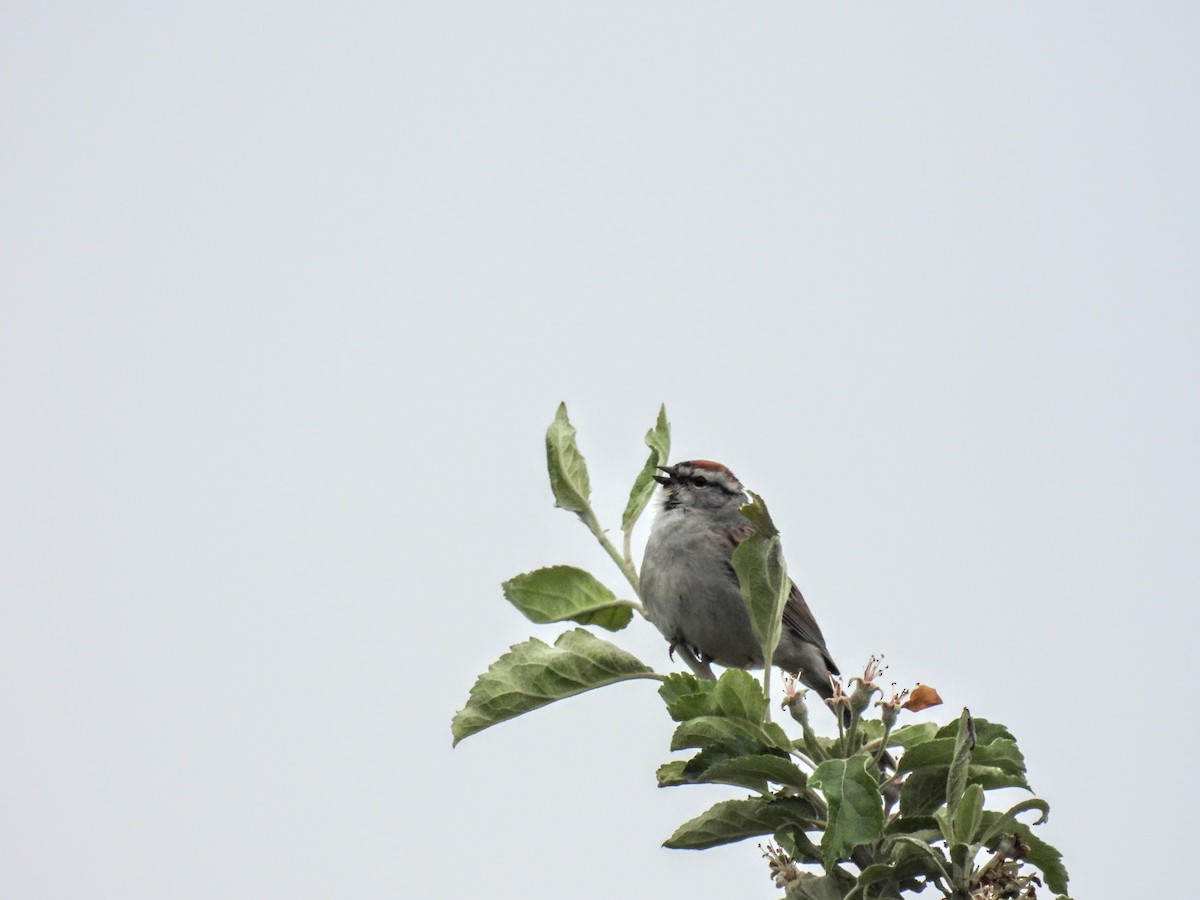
625,565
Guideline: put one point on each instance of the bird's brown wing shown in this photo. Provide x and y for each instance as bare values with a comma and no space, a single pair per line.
797,617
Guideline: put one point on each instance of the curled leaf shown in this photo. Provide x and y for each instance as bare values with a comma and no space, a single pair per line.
566,465
658,439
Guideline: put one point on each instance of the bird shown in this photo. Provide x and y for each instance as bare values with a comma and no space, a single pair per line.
690,590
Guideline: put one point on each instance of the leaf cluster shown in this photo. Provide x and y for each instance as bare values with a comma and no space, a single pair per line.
873,812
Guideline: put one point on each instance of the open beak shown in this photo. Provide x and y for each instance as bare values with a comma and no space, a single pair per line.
669,478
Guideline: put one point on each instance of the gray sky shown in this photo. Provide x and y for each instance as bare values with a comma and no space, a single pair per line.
291,291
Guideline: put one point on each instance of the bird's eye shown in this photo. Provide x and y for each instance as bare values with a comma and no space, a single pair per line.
699,481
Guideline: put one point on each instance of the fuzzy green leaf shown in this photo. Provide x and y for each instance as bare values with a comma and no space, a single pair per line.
762,576
855,806
924,790
658,439
736,820
739,695
533,674
754,771
671,774
960,763
929,753
686,695
985,731
969,814
713,731
565,593
566,465
872,874
911,735
817,887
735,694
1009,821
680,684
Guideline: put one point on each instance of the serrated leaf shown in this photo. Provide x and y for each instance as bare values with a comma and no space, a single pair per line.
855,806
1000,754
762,576
679,684
533,674
712,731
924,790
754,771
567,594
911,735
739,695
936,752
1008,821
736,820
735,694
985,731
658,439
566,466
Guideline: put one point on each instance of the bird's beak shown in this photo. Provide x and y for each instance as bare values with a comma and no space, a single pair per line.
669,478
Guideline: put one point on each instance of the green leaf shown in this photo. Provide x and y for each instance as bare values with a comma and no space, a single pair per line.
533,674
870,875
969,814
960,764
923,827
739,695
762,576
937,752
754,771
1000,754
658,439
686,695
1008,821
816,887
1046,858
906,849
671,774
797,844
567,467
855,806
680,684
713,731
924,790
911,735
565,593
985,731
736,694
736,820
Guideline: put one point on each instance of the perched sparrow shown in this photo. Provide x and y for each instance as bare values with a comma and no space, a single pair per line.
690,589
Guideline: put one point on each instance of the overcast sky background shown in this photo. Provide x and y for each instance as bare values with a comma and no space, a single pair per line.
291,291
